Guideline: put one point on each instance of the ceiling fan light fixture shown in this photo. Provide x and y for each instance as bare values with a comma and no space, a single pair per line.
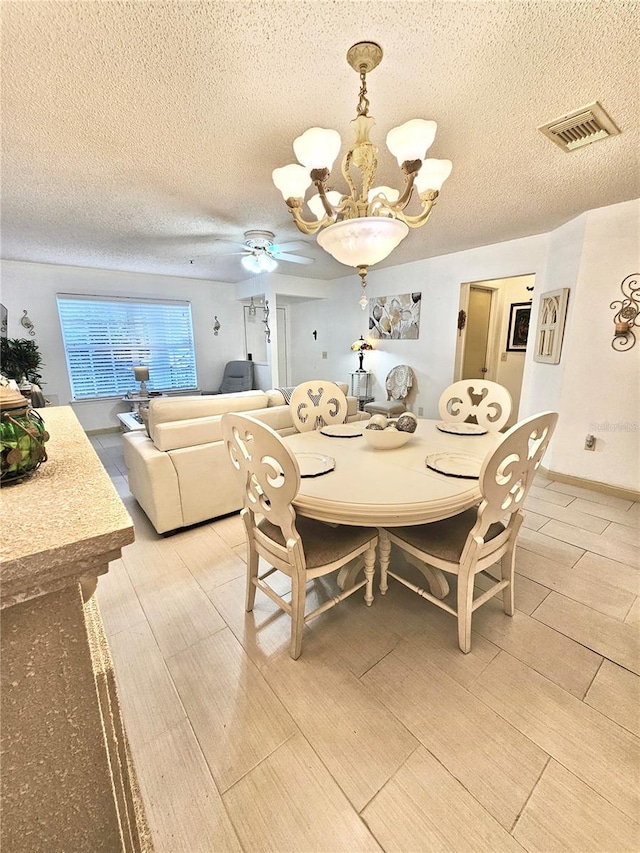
259,263
362,227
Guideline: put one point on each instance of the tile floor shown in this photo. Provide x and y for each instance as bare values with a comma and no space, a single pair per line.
383,736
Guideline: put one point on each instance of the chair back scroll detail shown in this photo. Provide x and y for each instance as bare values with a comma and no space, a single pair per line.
507,474
270,473
316,404
489,402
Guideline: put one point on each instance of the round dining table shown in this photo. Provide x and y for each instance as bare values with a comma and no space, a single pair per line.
388,488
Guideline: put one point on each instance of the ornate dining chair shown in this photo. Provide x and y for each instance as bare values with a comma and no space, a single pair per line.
487,401
398,384
316,404
470,542
301,548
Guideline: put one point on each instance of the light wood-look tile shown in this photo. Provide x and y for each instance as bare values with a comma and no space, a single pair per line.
623,533
343,721
121,485
230,528
236,716
424,808
111,439
184,809
566,533
564,815
620,575
608,637
629,517
596,750
549,652
289,803
210,560
633,616
552,549
568,514
494,762
547,495
616,693
146,561
528,593
542,481
580,583
533,520
149,699
590,495
178,611
117,600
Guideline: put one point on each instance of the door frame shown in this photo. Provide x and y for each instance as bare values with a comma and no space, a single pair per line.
493,344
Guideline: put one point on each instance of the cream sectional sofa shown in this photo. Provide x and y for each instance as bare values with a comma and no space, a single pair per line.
180,473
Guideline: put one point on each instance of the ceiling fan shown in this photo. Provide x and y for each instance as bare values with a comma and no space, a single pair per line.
261,254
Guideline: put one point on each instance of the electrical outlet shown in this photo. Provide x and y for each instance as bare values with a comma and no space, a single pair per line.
590,442
324,354
503,357
420,412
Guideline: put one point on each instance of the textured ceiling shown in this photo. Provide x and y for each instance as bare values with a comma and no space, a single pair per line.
136,135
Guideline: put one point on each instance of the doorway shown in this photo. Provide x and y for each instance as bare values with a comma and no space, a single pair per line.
283,361
483,349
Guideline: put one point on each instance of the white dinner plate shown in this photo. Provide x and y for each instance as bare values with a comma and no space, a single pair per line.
314,464
462,465
461,428
342,430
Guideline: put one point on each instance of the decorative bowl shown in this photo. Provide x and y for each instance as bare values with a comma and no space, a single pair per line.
386,439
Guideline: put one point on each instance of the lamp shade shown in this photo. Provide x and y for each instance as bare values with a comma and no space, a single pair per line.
291,180
364,241
317,148
433,174
411,140
317,208
388,192
361,344
141,374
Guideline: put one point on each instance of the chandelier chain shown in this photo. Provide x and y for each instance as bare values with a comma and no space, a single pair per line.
363,101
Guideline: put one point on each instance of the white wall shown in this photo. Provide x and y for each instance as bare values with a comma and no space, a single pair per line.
600,391
34,287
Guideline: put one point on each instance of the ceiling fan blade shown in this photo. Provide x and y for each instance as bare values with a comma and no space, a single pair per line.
293,259
288,247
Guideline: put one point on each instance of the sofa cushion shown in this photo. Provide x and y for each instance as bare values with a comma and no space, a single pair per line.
167,409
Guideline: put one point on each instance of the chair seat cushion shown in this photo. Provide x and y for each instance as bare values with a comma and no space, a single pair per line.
386,407
445,539
322,543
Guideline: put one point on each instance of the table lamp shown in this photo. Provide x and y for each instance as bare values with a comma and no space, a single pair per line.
142,376
360,346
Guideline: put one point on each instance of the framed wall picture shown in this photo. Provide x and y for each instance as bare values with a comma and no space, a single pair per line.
519,316
550,331
395,317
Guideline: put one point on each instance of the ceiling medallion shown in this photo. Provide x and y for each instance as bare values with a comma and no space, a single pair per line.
365,226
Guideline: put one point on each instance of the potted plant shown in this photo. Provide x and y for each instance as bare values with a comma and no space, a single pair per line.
20,359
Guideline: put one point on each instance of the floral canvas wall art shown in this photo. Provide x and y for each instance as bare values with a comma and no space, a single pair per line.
395,317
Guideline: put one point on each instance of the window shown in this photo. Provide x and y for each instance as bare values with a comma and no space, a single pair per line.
105,338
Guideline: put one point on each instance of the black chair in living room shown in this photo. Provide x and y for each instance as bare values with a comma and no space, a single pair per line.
237,376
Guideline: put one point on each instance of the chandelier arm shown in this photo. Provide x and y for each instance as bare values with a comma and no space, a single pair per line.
329,209
409,180
295,206
428,199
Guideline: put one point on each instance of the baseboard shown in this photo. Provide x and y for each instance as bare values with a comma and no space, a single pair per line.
102,431
592,485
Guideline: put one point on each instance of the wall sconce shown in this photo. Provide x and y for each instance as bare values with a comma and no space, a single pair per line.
27,324
252,308
216,326
626,314
265,320
462,321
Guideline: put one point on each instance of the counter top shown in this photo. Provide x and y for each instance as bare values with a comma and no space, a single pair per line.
63,522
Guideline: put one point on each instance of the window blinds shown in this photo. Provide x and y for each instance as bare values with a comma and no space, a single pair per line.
105,338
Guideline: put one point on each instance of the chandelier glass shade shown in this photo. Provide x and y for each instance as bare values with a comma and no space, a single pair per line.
363,226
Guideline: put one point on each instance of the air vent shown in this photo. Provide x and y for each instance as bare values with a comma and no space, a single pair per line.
579,128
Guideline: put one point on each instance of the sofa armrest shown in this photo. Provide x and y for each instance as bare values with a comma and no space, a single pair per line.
153,481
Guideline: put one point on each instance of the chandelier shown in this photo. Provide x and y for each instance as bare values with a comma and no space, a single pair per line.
365,226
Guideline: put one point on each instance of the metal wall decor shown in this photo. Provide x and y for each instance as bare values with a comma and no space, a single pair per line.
28,325
267,330
626,314
4,321
216,325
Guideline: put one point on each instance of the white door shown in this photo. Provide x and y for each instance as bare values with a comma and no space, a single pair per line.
474,362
